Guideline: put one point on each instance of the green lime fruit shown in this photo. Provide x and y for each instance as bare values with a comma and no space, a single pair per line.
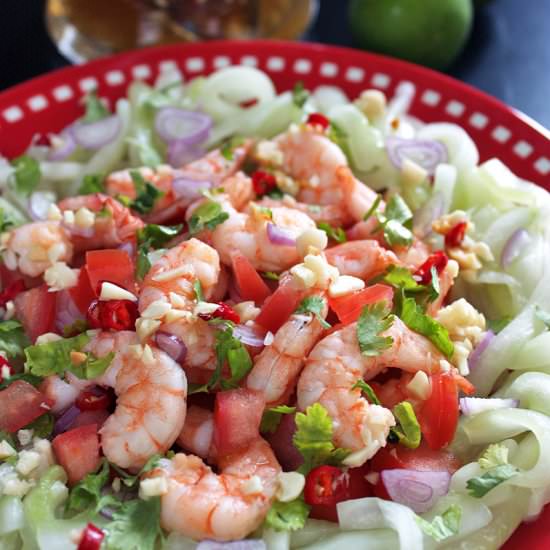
429,32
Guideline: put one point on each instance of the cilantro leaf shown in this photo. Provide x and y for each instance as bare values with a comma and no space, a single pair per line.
313,439
228,147
272,417
271,275
373,207
197,287
42,426
152,236
27,174
143,264
299,94
444,526
496,325
367,390
544,316
396,222
86,494
408,429
92,183
413,316
95,109
146,193
130,480
396,234
55,358
374,319
313,305
287,516
479,486
13,339
335,233
401,278
207,216
135,525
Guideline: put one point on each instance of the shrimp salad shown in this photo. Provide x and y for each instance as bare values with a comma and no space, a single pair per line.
232,319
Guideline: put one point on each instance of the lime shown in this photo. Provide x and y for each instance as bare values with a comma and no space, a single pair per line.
429,32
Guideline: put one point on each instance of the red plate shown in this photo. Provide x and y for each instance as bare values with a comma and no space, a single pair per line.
50,102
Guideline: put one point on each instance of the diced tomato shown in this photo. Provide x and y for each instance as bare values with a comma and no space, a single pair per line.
249,283
438,416
112,265
263,182
94,399
83,294
112,314
85,418
91,539
456,235
237,417
422,459
281,442
11,291
318,119
20,404
78,451
348,307
279,306
438,260
35,308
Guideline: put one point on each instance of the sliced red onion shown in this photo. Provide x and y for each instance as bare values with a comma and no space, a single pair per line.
66,311
514,246
425,152
65,421
245,544
63,145
279,236
128,247
172,345
94,135
417,490
187,188
251,336
180,153
189,127
475,405
39,204
474,357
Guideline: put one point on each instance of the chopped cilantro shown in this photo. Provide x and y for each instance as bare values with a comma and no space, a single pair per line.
401,278
444,526
367,390
396,222
27,174
95,109
372,209
287,516
146,193
335,233
314,305
13,339
407,430
207,216
299,94
197,287
271,275
374,319
495,455
228,147
152,236
272,417
313,439
92,183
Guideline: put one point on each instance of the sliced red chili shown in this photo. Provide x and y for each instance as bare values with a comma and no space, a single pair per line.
4,363
42,139
438,260
248,102
223,312
326,485
317,119
94,399
10,292
112,314
92,537
456,235
263,182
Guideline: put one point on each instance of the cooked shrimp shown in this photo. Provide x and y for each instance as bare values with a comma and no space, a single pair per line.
278,366
415,255
247,233
227,506
212,169
357,196
151,392
110,223
198,431
363,259
336,364
34,247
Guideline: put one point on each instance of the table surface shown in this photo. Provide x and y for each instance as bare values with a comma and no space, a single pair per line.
507,56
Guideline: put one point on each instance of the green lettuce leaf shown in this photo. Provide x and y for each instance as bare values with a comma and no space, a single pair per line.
27,174
444,526
287,516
